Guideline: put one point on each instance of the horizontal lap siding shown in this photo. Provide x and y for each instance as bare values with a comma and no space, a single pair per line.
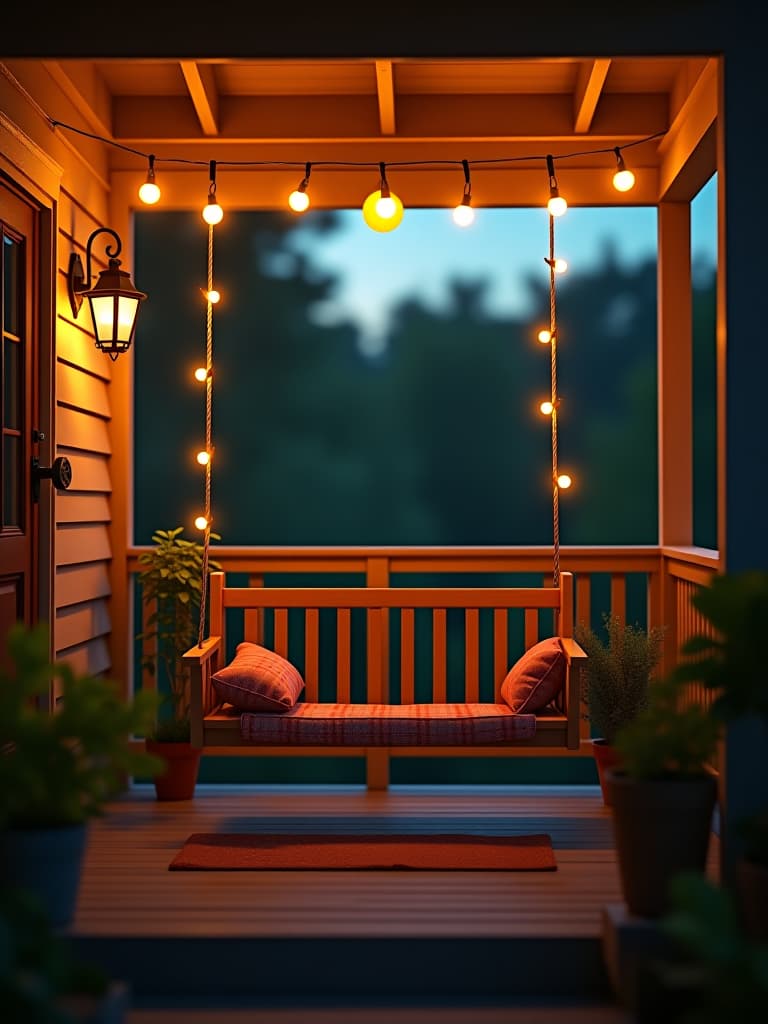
83,546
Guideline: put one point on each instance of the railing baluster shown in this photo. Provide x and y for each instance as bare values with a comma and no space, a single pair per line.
472,655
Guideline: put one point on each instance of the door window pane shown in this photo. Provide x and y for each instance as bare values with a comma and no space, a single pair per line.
11,268
11,385
12,480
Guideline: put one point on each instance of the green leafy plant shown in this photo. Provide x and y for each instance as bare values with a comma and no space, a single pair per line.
60,768
618,672
729,659
172,585
717,972
667,738
41,981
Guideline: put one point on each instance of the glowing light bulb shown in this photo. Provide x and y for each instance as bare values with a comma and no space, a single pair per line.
564,481
546,408
463,215
557,206
544,337
203,458
298,201
213,296
149,193
201,523
623,181
212,212
560,266
201,374
382,213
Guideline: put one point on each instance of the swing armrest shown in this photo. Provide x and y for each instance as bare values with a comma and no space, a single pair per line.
202,661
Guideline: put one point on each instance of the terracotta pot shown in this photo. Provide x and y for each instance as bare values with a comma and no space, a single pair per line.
182,761
661,827
606,758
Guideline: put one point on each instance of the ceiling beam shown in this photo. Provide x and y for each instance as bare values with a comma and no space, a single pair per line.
687,151
385,90
84,87
586,95
203,93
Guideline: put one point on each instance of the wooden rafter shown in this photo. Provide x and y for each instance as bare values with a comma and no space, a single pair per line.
385,89
589,87
203,93
82,84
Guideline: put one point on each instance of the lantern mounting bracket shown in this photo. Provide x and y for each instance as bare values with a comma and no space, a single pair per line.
76,279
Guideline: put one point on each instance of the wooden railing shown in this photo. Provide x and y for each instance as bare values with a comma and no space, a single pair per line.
647,584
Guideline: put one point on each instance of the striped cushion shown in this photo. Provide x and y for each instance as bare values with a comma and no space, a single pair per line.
389,725
257,679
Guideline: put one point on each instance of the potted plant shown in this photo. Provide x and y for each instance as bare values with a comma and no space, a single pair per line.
663,795
617,674
171,581
58,770
728,660
41,981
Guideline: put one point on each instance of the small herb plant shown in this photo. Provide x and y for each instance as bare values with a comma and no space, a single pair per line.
618,672
172,584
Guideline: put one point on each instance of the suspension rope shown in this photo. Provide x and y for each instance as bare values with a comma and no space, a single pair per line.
208,442
553,374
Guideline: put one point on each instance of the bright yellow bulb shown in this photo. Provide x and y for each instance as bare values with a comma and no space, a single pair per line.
382,213
545,337
149,193
557,206
213,296
201,374
201,523
212,213
560,266
623,181
463,215
298,201
203,458
564,481
546,408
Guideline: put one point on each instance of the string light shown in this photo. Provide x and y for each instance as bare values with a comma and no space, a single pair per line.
382,209
212,295
212,212
564,481
463,214
203,458
201,374
556,204
202,522
546,408
298,200
149,193
623,180
544,336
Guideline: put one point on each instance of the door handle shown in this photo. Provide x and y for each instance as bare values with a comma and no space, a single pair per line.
59,473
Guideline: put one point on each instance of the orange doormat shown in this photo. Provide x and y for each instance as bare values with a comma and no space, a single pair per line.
212,851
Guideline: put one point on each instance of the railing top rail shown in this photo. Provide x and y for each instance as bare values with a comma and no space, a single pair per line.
391,597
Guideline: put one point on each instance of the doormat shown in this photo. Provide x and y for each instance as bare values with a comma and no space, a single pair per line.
218,851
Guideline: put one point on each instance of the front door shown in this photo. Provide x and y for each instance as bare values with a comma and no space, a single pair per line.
19,349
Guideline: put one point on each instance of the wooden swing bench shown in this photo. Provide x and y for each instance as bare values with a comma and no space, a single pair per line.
325,619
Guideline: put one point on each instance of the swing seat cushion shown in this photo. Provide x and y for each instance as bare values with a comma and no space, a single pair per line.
258,679
536,678
388,725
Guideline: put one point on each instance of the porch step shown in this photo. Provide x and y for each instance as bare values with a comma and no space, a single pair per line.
370,971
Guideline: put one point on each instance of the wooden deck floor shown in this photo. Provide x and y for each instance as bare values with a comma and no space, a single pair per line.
381,934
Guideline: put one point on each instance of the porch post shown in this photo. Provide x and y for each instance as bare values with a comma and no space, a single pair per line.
675,394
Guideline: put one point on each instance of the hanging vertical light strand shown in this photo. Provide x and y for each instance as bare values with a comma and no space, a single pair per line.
208,438
553,374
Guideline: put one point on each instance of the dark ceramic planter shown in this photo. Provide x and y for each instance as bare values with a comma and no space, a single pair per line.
662,827
46,862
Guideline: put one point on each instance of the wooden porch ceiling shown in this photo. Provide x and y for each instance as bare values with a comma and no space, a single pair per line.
409,109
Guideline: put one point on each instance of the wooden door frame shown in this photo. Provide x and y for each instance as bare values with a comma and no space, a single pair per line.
32,171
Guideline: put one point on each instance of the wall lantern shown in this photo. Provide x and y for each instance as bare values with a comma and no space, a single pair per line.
113,300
